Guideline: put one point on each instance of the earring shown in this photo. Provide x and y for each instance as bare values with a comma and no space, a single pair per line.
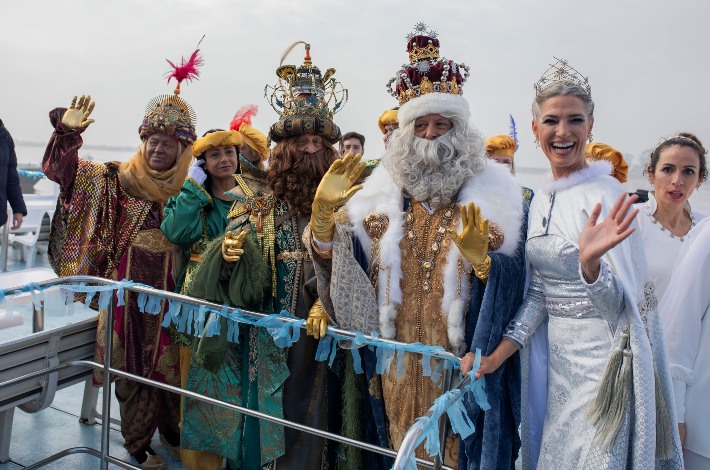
590,137
537,143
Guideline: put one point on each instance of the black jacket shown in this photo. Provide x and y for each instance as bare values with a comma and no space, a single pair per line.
10,190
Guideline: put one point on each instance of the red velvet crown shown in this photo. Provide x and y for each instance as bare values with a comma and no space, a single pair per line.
426,72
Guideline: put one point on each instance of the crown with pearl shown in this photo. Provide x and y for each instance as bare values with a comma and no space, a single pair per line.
426,71
561,71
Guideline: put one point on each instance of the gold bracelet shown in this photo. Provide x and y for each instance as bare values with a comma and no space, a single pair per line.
483,270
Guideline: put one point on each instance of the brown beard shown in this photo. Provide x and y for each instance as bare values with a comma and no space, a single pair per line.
294,176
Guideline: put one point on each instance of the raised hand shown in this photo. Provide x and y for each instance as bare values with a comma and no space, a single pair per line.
596,239
232,246
338,184
77,115
336,187
472,242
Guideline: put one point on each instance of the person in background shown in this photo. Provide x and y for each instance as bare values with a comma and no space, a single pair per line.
191,220
595,151
685,318
677,167
388,123
502,148
10,191
352,142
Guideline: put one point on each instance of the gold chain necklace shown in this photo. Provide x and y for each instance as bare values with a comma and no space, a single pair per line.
426,260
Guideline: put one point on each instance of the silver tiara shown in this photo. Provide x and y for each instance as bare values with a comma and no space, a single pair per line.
688,140
561,71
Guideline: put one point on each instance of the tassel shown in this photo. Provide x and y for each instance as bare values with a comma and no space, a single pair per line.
607,385
613,422
664,427
609,407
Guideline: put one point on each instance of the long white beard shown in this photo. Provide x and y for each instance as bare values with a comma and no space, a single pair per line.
434,170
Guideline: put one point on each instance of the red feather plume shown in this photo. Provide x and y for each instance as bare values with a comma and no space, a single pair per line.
187,70
243,116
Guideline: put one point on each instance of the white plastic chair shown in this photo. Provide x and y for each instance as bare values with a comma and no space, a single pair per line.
32,241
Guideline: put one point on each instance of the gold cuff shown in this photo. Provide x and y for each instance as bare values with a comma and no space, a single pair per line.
483,270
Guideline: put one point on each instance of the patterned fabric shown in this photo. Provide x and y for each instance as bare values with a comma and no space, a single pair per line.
95,205
491,307
103,231
557,217
288,384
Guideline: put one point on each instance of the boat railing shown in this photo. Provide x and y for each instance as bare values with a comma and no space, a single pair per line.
86,283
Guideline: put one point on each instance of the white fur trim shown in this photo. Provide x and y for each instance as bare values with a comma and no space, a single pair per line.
500,198
455,327
595,168
433,103
388,314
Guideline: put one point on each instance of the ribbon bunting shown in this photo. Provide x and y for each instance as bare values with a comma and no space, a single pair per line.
284,328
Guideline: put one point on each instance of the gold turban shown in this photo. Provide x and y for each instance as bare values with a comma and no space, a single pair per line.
255,139
600,151
500,146
216,139
388,117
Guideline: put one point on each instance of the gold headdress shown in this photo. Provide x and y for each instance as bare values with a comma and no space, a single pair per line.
305,99
599,151
170,114
388,117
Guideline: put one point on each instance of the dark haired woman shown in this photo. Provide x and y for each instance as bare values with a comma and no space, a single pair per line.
192,218
676,169
209,178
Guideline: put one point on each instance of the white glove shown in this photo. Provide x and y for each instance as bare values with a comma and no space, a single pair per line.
196,172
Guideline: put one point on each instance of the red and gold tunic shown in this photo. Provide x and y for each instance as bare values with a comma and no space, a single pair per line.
101,230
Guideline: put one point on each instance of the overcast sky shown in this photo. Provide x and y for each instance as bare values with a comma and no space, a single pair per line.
647,60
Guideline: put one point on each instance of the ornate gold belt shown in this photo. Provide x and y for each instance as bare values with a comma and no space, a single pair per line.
152,240
293,255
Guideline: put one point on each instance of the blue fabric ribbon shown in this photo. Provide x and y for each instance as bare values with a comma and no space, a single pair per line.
452,404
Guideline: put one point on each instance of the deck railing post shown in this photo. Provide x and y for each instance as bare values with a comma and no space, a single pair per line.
106,405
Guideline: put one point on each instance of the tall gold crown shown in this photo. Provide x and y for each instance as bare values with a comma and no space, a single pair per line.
561,71
303,91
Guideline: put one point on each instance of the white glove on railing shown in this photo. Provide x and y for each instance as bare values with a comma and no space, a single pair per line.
196,172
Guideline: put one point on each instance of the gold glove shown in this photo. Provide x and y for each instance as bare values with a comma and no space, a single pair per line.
336,187
232,246
473,240
77,115
317,321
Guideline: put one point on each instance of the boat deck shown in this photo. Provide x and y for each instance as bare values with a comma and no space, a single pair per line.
36,436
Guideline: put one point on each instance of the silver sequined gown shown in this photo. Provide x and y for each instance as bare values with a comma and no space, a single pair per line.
581,321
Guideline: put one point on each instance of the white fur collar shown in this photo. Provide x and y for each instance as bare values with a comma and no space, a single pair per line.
596,168
496,192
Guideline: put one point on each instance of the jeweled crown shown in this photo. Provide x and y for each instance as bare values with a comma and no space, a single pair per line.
304,92
170,115
426,71
561,71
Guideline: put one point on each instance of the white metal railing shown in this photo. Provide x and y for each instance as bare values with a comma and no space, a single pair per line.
403,456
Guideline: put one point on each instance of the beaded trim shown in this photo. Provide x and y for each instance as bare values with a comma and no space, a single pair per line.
664,229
